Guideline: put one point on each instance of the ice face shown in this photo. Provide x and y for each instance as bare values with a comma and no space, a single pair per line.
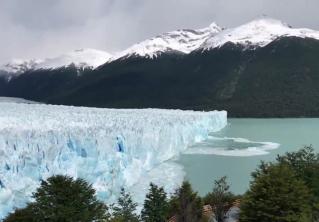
110,148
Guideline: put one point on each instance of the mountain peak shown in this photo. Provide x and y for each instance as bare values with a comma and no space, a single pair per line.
266,22
80,58
257,33
215,26
180,41
17,66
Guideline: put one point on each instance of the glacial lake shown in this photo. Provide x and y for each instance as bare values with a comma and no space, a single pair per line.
236,151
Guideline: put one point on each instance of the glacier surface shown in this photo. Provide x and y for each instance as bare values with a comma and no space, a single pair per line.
110,148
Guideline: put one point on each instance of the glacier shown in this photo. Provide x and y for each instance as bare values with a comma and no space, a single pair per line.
110,148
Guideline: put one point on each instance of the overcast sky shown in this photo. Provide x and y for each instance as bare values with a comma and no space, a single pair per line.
41,28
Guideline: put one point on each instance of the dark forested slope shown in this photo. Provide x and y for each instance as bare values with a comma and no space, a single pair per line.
278,80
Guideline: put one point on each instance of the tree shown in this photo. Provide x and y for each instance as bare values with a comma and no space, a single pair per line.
63,199
155,205
305,164
186,204
124,210
21,215
220,199
276,195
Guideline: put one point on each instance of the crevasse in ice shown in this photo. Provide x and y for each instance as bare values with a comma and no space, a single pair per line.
110,148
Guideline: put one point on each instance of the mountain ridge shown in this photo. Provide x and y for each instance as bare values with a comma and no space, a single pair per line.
257,33
278,79
81,58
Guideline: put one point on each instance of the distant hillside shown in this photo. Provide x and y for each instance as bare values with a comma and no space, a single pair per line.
278,80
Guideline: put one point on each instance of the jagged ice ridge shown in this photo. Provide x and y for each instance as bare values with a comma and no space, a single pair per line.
110,148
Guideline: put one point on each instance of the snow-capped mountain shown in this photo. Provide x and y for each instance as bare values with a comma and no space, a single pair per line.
257,33
81,58
19,65
180,41
203,76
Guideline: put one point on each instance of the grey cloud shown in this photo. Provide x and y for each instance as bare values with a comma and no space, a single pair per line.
41,28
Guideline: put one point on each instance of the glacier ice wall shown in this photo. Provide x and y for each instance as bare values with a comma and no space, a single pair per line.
110,148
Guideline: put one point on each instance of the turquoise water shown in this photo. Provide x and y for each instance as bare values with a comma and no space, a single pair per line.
236,151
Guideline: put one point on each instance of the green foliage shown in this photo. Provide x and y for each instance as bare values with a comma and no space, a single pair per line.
186,204
220,198
21,215
305,164
155,205
62,199
124,210
276,194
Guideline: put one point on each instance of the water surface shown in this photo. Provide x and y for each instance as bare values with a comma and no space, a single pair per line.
236,150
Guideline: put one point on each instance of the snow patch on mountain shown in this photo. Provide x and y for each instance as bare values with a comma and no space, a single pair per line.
81,58
257,33
180,41
20,65
16,67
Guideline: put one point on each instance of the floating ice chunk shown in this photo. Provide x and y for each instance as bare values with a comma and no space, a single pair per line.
249,148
